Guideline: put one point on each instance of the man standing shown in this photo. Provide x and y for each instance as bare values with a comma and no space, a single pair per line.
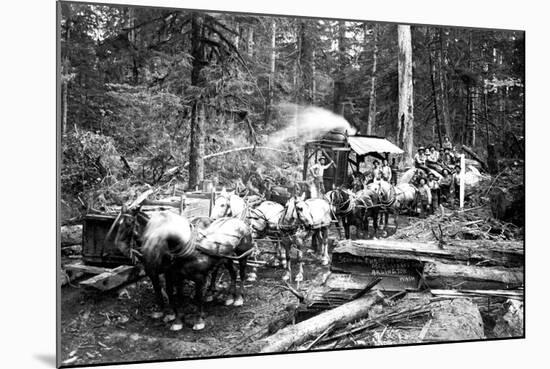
386,171
393,172
447,144
317,171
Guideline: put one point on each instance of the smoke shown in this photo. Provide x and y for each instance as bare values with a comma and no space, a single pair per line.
306,123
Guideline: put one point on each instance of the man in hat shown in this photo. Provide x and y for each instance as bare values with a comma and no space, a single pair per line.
447,144
433,184
420,160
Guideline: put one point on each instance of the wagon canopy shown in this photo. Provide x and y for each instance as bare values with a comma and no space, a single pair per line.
368,145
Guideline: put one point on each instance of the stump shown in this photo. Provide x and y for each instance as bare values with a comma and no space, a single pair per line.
508,205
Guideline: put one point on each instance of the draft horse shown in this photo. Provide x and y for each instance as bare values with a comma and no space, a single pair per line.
168,245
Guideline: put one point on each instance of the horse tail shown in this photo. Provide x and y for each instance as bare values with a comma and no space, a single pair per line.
167,236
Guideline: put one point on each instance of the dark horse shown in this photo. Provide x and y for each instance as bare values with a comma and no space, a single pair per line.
168,244
355,209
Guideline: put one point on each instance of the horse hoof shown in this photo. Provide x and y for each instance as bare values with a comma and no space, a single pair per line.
198,326
176,327
157,315
238,302
251,277
325,261
286,276
283,263
229,302
299,277
209,298
169,318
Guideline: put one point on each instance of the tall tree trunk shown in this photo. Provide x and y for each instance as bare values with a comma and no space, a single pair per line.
65,84
273,58
339,81
196,146
405,81
133,45
306,61
372,96
64,110
444,99
250,41
434,97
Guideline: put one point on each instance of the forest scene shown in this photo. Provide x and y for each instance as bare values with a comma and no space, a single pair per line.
157,102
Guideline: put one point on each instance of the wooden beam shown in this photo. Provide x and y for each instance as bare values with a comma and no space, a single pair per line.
114,278
468,277
489,253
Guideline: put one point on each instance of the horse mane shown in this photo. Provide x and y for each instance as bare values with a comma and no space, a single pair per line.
166,235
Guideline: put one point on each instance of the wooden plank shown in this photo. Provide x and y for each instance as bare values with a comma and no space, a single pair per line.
503,253
342,281
114,278
453,276
88,269
510,294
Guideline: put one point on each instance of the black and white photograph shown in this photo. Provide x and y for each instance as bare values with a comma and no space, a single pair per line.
235,184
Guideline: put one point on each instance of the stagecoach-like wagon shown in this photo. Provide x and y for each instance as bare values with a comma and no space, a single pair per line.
347,152
106,266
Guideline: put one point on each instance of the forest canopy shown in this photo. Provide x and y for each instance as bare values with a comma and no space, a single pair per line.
148,93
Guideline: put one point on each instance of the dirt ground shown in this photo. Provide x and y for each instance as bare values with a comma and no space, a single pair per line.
116,327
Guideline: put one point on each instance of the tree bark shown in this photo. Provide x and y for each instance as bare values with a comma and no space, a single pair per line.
339,81
434,97
196,150
306,63
273,59
196,146
441,61
372,96
250,41
405,81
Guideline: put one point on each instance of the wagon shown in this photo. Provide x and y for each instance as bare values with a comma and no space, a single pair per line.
104,262
347,152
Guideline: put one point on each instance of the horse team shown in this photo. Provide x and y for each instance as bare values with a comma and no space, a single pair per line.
168,244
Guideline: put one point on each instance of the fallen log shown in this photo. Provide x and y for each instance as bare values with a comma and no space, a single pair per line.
476,157
498,253
455,276
509,294
298,334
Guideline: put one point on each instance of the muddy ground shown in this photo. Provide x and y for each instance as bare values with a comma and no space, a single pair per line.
114,327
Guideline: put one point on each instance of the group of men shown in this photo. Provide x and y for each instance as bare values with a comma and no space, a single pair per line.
434,190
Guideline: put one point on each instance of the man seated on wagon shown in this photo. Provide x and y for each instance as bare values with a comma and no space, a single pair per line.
420,160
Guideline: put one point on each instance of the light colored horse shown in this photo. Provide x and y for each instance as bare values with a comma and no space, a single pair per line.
394,199
315,215
265,220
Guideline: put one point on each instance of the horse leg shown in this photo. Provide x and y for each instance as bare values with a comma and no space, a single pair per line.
346,224
155,280
233,274
323,235
239,301
300,275
212,286
281,260
199,301
171,282
375,214
252,276
314,241
287,245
